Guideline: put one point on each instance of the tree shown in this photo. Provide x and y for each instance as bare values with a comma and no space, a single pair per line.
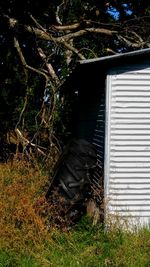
41,41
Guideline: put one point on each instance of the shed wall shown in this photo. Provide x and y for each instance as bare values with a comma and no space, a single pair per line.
127,144
90,122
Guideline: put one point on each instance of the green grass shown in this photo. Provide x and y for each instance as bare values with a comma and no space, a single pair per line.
9,259
26,242
86,246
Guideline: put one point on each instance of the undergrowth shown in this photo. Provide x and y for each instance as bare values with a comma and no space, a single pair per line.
28,239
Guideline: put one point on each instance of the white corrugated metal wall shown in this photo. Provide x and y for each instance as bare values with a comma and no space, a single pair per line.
127,144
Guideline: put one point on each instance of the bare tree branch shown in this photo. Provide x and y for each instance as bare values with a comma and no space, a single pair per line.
109,50
26,142
51,72
46,36
17,46
128,43
67,27
136,42
88,23
25,65
42,34
57,13
73,49
136,19
38,24
137,36
90,50
49,67
69,53
23,110
86,31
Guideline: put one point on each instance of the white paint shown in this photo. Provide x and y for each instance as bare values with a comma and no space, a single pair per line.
127,145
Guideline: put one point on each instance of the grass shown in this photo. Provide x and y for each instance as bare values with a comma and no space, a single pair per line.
25,241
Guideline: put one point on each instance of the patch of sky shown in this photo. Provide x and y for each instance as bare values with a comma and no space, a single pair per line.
47,96
112,11
127,9
115,13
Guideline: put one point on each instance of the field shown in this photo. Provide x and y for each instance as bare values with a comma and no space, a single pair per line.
28,236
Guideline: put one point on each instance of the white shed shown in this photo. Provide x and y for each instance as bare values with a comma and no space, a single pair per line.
114,113
127,143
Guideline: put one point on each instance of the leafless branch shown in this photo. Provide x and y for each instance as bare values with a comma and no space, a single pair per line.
109,50
136,19
90,50
57,13
23,110
137,36
135,41
73,49
86,31
48,37
129,43
37,24
87,23
49,67
69,53
17,46
67,27
25,65
51,112
42,34
26,142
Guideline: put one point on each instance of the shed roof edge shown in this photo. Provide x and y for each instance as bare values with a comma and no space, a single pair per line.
115,57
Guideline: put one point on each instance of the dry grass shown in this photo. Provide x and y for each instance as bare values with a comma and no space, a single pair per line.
25,239
21,225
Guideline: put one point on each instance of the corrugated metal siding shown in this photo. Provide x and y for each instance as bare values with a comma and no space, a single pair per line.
98,141
127,148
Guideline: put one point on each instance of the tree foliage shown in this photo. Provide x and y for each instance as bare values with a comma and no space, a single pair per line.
41,41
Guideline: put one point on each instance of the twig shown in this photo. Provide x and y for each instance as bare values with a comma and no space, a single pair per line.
37,24
137,36
136,19
27,142
73,49
69,53
57,13
109,50
128,43
22,111
90,50
17,46
49,67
